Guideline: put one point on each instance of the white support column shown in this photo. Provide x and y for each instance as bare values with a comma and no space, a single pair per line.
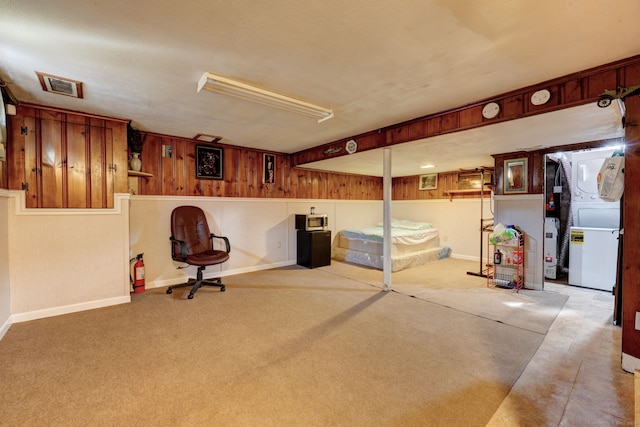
386,217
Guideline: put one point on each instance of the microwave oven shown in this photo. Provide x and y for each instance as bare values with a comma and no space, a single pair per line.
312,222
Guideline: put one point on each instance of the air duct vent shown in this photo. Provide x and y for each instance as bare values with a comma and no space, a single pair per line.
60,85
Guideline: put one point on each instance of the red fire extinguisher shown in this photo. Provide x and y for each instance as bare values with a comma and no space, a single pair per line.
138,275
551,205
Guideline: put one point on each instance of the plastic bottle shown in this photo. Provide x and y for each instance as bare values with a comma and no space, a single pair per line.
497,257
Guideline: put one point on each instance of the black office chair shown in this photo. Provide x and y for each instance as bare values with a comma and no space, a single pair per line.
192,243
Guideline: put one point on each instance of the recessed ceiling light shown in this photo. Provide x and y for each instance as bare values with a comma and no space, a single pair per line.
428,166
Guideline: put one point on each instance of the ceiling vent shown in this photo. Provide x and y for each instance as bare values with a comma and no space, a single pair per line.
207,138
60,85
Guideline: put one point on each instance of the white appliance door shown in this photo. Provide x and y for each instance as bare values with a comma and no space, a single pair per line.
587,208
593,257
585,166
596,215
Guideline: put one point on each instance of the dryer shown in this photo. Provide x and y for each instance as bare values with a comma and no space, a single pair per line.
587,209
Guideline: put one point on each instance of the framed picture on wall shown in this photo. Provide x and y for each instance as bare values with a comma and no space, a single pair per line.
428,182
269,176
209,162
515,176
473,181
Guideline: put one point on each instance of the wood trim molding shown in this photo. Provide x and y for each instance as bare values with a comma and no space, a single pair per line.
66,111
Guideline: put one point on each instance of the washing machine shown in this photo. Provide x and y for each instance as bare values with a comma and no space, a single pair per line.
593,257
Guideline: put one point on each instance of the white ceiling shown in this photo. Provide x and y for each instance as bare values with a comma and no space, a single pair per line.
374,63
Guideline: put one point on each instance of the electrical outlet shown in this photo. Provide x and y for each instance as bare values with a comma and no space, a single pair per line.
278,245
637,320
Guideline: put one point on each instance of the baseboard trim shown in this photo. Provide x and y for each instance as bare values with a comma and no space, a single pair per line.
629,363
254,268
465,257
67,309
5,327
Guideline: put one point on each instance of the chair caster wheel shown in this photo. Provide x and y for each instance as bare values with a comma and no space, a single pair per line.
190,296
222,289
169,291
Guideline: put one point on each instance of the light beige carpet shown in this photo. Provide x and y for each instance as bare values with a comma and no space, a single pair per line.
284,347
446,283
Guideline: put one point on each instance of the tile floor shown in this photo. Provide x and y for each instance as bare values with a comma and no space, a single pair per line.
575,378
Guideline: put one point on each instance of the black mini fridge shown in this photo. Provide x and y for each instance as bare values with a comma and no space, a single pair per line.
314,248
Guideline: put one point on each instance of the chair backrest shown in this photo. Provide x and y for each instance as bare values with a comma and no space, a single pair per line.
189,224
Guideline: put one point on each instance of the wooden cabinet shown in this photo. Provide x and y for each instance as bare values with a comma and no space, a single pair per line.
66,160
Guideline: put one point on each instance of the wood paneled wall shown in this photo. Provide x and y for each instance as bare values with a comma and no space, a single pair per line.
631,249
65,159
76,139
407,188
85,146
243,170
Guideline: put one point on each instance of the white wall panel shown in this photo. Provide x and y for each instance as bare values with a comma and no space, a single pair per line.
527,213
457,221
57,261
5,291
65,260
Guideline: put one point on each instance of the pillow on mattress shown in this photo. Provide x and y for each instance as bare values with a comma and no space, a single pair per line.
408,225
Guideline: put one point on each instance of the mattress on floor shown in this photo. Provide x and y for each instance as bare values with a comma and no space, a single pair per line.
412,244
400,262
400,245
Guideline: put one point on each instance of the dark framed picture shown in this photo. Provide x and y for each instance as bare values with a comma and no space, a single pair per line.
269,176
515,176
209,162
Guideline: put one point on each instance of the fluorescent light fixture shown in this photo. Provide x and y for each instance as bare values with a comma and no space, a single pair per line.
429,166
247,92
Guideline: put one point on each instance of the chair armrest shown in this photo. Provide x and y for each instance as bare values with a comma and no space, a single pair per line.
226,242
183,249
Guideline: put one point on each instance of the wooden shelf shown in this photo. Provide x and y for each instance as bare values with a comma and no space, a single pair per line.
472,190
136,173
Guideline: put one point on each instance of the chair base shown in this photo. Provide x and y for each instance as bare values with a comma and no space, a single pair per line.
197,283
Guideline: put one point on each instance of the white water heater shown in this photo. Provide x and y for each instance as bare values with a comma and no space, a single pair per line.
551,243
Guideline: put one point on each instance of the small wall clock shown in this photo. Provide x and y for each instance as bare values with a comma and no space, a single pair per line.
351,146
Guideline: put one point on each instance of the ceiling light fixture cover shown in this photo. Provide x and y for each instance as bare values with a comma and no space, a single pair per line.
218,84
490,110
540,97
